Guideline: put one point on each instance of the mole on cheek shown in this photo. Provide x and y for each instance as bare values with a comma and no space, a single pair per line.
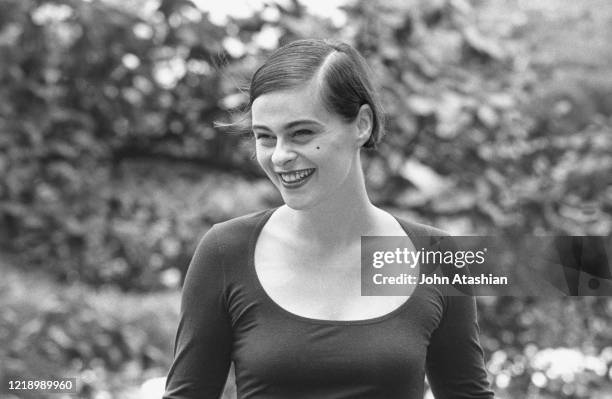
317,147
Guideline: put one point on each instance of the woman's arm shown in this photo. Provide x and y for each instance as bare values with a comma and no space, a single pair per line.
455,361
202,349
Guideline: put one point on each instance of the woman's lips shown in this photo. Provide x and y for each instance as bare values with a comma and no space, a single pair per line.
295,178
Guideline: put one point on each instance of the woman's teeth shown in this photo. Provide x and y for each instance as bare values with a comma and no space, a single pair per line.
294,177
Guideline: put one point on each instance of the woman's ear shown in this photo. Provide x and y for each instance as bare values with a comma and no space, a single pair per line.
365,123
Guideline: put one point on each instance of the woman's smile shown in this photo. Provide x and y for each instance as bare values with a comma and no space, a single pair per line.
296,178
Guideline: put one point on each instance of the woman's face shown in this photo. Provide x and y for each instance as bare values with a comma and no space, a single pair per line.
308,153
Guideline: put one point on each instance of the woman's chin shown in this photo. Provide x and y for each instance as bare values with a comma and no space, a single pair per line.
298,204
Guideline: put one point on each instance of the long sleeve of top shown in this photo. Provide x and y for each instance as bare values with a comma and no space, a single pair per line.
226,316
454,358
203,343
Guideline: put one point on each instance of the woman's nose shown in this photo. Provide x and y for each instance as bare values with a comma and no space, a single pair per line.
283,153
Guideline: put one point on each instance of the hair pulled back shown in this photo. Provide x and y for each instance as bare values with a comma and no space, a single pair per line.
343,75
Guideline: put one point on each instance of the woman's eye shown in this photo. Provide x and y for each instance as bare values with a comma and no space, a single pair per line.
302,133
265,139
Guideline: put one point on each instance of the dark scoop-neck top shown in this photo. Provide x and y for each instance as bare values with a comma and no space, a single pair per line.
226,316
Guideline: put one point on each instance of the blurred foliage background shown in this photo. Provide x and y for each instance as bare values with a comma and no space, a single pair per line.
499,122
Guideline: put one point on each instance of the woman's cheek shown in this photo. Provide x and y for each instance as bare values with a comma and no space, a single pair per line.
260,154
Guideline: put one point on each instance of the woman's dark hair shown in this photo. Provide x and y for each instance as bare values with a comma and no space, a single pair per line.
342,72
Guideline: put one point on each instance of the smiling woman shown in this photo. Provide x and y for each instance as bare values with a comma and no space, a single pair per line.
278,292
287,141
313,107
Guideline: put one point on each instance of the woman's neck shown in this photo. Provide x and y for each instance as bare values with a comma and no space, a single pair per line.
338,220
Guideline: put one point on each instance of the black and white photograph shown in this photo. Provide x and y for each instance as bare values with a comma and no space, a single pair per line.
305,199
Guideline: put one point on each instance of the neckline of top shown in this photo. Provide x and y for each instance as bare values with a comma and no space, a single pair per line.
251,257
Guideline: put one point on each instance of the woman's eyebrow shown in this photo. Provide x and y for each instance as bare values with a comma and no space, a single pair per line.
290,124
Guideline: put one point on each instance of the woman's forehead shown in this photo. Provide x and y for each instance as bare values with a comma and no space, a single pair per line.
283,106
